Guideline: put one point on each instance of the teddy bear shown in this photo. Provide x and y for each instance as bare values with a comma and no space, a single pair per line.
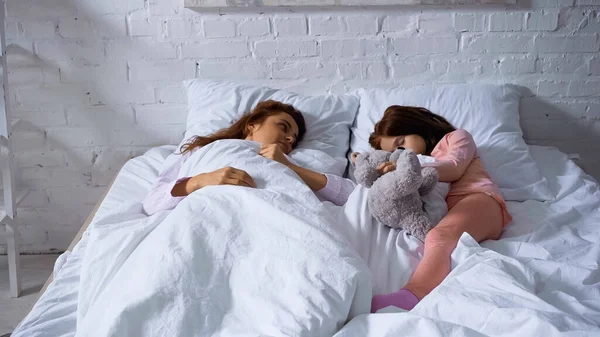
395,197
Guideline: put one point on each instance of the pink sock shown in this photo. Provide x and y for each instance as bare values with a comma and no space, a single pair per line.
403,299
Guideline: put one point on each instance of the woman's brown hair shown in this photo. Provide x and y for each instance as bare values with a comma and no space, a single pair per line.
239,129
401,120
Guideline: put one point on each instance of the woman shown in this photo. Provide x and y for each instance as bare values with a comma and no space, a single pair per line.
278,127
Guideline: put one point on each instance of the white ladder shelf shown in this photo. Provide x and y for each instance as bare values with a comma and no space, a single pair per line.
8,214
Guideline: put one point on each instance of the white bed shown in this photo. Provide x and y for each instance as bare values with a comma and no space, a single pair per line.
555,248
305,268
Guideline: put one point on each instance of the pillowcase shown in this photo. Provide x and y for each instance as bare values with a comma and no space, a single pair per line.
214,105
434,202
489,112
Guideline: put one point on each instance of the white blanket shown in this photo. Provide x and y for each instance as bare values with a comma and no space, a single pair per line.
228,261
541,279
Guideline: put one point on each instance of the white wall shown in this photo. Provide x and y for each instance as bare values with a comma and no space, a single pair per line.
98,81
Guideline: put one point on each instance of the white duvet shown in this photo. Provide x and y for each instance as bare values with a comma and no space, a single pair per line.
227,261
541,279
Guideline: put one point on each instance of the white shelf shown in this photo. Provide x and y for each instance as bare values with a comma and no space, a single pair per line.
4,136
4,218
21,195
8,214
3,125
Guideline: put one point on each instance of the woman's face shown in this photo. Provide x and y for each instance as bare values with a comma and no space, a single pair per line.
276,129
413,142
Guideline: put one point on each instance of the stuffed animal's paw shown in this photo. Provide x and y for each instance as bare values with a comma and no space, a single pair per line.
407,177
420,231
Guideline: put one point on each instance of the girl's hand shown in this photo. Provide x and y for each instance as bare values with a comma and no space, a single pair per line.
225,176
353,157
386,167
273,152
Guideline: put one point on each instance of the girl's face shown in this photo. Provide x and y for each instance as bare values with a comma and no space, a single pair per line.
413,142
276,129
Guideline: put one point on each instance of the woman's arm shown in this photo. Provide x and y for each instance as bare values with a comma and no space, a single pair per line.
184,187
337,190
166,192
330,187
316,181
454,160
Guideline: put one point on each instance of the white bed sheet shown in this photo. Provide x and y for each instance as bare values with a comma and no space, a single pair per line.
562,236
55,313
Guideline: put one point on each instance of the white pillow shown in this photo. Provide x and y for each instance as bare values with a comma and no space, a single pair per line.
434,202
213,105
489,112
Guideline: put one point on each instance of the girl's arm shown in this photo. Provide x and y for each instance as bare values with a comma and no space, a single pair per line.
452,163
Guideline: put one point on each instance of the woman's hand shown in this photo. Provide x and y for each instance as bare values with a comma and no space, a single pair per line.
273,152
316,181
386,167
225,176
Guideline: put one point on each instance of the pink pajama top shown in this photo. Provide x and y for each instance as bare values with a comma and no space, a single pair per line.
457,161
337,189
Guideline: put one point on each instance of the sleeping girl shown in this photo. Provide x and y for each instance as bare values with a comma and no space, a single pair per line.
475,204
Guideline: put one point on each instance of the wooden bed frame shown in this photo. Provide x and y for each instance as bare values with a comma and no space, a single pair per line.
81,231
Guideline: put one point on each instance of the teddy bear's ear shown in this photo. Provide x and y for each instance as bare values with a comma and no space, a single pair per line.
363,172
361,159
394,157
379,156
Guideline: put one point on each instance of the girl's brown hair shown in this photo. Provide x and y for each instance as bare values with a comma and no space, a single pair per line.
401,120
239,129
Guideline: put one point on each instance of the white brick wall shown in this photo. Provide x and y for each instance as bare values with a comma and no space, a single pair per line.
506,22
219,28
97,82
290,26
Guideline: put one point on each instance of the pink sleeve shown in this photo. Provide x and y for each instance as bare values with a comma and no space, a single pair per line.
454,157
159,198
337,190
